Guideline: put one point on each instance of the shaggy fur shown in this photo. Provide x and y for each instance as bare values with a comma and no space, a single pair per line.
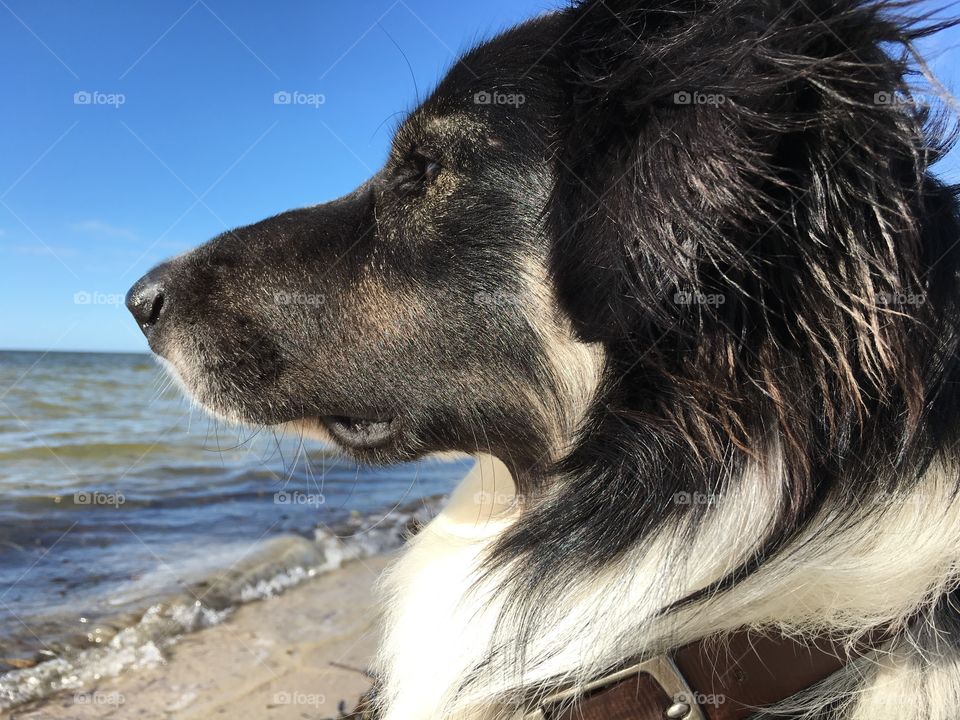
684,268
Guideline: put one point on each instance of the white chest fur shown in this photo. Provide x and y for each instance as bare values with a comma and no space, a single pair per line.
436,630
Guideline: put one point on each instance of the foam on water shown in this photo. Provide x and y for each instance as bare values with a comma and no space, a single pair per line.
278,564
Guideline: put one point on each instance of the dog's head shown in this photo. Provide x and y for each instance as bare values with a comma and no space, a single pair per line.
415,314
696,219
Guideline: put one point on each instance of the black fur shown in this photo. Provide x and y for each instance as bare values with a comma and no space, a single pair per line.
806,203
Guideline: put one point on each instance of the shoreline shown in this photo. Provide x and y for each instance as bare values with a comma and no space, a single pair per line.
272,569
298,654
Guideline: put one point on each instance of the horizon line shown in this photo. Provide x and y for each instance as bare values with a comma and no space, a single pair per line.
67,351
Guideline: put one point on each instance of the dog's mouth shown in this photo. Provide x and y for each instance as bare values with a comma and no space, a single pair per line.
367,431
356,433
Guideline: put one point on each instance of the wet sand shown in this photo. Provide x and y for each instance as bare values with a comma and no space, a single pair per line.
290,657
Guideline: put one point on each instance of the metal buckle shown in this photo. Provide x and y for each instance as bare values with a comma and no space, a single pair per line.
661,668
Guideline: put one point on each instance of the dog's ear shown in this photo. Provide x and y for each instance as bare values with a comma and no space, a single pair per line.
727,162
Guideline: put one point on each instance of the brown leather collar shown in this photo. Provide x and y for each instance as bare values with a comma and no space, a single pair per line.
727,678
712,679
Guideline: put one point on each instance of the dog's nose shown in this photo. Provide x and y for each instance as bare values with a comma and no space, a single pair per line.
149,298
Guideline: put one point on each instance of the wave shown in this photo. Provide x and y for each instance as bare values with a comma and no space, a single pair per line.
279,564
78,451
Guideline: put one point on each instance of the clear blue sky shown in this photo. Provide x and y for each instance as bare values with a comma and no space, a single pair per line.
92,195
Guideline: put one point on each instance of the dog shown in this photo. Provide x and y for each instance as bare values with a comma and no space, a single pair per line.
682,276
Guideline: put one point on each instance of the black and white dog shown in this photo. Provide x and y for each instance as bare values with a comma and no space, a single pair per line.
683,269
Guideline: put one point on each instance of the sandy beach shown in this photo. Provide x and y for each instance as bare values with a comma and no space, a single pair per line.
294,656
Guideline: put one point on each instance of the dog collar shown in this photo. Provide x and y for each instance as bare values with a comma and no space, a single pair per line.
719,678
727,677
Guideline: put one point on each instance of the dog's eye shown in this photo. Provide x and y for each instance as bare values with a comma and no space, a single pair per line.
427,167
424,169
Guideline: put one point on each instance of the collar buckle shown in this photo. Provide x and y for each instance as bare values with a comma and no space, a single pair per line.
661,668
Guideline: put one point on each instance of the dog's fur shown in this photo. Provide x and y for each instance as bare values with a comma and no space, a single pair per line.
713,343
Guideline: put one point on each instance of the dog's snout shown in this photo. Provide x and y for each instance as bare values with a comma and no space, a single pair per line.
149,298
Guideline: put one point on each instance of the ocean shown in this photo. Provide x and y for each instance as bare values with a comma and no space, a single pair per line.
129,518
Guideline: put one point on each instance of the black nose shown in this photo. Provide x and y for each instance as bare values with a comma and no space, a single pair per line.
149,298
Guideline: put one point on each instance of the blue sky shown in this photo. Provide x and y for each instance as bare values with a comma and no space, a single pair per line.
174,135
